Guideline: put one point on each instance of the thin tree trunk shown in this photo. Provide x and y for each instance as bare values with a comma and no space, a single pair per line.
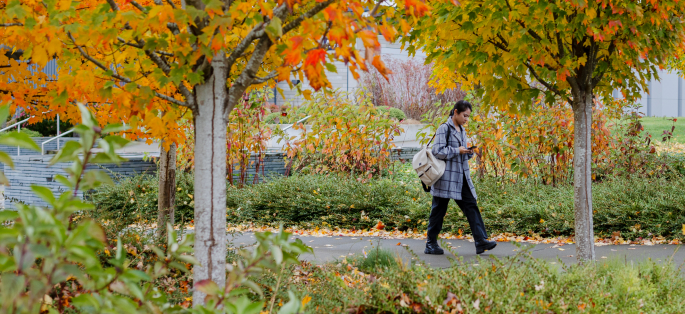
210,177
582,176
166,197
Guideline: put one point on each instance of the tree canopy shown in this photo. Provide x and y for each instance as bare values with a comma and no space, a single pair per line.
517,50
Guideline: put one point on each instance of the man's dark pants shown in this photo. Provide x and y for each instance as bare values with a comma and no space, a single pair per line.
468,206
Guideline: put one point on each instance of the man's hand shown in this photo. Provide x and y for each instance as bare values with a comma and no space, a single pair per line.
463,150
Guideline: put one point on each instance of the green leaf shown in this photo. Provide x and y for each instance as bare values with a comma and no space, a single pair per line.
4,111
277,254
331,68
44,193
3,179
87,118
67,153
19,139
275,28
6,159
114,128
6,215
208,287
86,301
292,307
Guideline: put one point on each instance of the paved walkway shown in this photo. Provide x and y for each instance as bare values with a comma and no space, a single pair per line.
328,249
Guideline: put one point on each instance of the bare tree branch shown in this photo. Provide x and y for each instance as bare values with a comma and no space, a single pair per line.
598,78
171,4
256,33
11,24
113,5
260,80
375,8
128,43
543,82
119,77
138,6
297,21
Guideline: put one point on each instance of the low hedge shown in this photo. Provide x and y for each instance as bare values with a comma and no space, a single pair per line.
513,284
637,207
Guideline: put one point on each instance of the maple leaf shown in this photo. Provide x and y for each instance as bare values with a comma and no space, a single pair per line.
293,54
315,56
380,225
380,66
369,39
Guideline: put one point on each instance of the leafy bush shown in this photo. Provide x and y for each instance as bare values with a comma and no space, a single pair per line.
56,259
514,284
49,127
394,113
318,200
344,138
30,133
134,199
635,206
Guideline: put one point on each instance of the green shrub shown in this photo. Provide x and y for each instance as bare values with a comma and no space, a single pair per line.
134,199
514,284
49,127
30,133
637,207
309,200
393,112
376,260
272,117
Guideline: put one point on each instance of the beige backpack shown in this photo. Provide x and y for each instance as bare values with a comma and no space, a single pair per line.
429,168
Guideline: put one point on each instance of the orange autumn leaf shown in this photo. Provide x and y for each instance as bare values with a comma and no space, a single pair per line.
380,225
369,39
315,56
293,54
380,66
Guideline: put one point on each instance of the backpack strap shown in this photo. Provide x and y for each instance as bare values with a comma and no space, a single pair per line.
447,136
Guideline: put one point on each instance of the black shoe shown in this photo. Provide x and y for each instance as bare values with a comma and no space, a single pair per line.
433,248
485,245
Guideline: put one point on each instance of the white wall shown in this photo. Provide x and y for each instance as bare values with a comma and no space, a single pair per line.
666,97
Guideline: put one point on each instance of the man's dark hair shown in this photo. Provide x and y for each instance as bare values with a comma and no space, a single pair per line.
460,107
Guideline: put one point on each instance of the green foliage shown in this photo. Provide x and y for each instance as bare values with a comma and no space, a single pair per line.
638,207
318,200
515,284
343,137
376,260
55,259
134,199
49,127
394,113
503,46
656,126
31,133
398,201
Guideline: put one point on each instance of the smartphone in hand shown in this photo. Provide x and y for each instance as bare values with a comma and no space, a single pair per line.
473,147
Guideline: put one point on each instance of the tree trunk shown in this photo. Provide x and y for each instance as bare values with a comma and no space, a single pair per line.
166,197
582,176
210,177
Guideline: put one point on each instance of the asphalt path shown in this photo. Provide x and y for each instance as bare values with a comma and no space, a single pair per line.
331,249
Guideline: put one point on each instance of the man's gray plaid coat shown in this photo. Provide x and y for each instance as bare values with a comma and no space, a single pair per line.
456,164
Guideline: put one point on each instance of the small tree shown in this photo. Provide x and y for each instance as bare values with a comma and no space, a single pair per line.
578,50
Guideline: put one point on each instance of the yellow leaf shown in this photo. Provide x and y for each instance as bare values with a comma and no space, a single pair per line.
39,55
542,221
306,300
307,94
683,229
